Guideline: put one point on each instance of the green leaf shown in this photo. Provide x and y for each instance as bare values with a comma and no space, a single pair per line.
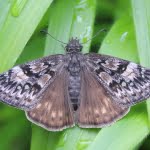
141,14
14,136
120,41
141,11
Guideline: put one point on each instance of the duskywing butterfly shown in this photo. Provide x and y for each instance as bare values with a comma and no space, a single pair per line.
90,90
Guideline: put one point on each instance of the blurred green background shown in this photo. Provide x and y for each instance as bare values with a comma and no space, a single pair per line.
128,36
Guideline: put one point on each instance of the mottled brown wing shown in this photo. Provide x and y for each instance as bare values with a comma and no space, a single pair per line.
53,112
127,82
22,85
96,107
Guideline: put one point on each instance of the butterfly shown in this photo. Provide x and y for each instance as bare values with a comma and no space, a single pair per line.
90,90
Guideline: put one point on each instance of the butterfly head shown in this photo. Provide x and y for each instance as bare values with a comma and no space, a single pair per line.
74,45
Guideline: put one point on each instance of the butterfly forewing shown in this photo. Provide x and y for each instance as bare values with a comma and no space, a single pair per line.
54,111
127,82
97,108
22,85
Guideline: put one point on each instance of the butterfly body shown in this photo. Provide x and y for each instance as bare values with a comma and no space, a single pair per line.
75,62
90,90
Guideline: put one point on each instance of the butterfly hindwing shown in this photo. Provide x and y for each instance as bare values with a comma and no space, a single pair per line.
97,109
127,82
22,85
54,112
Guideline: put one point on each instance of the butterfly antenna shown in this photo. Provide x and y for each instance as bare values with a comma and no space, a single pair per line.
102,30
44,31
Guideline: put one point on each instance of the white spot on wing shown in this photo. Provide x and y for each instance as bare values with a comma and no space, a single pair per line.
106,77
106,102
49,106
46,104
18,74
43,80
33,114
38,67
38,105
123,84
103,110
27,87
130,71
53,114
60,113
96,111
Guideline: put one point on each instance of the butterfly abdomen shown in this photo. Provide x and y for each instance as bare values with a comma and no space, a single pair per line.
74,80
74,90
